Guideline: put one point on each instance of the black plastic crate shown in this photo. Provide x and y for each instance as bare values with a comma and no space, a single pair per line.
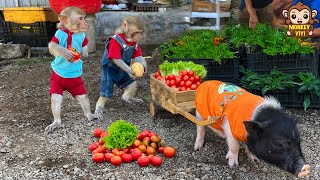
263,64
291,98
227,71
34,34
1,33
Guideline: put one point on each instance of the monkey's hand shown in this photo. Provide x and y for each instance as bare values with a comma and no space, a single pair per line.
122,65
141,60
57,50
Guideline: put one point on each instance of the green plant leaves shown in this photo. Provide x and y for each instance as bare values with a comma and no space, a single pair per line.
306,102
175,67
306,83
121,135
196,44
271,41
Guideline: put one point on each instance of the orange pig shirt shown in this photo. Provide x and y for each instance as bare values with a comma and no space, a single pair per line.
216,98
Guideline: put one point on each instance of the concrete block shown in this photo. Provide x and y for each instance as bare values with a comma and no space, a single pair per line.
12,51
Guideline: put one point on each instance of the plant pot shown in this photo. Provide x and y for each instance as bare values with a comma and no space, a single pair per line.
88,6
262,63
226,71
291,98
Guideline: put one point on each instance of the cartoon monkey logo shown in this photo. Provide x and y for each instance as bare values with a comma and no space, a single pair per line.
300,19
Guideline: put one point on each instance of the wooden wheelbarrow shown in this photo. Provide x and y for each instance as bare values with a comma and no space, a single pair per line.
177,102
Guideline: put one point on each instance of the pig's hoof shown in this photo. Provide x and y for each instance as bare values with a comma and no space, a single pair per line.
232,159
305,171
251,156
198,145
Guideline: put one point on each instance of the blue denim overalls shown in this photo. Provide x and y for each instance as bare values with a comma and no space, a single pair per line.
111,74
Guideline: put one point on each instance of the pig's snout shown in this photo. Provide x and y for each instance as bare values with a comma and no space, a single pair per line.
305,171
301,169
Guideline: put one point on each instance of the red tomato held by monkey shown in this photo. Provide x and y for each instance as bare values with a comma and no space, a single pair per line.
76,54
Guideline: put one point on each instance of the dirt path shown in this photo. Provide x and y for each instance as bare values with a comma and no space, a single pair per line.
26,153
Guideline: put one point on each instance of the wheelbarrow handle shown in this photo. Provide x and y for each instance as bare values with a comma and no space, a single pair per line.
191,117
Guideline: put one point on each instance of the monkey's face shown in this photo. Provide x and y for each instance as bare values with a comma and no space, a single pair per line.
299,17
77,23
134,33
136,36
83,26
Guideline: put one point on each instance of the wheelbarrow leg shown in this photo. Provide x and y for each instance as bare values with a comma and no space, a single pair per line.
153,108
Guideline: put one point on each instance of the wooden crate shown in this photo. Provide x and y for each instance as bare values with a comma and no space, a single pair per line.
163,96
29,14
174,101
207,6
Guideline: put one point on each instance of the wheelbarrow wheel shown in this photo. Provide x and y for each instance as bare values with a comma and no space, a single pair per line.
153,108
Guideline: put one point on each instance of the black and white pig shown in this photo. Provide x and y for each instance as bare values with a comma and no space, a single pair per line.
261,123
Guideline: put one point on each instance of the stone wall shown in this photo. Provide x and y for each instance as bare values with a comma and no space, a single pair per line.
159,26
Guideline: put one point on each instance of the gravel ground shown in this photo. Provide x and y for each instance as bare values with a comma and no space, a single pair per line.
27,153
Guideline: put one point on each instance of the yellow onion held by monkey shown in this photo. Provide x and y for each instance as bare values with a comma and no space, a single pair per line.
137,69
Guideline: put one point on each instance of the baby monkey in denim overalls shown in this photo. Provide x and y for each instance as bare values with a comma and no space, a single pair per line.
121,50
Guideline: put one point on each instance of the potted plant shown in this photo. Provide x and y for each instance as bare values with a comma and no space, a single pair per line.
268,48
292,90
204,47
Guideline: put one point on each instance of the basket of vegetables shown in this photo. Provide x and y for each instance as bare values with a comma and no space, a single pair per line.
173,88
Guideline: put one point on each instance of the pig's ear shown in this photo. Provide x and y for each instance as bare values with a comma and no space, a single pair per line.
254,127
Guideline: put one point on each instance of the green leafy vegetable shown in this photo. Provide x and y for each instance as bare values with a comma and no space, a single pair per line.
196,44
306,83
121,135
265,38
175,67
276,80
309,85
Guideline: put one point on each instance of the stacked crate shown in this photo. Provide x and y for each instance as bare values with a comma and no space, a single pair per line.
208,9
34,26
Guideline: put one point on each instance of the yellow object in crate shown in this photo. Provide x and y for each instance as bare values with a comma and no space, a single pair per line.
29,14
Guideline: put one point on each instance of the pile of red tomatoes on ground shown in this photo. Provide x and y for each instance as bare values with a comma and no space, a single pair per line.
146,149
185,81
